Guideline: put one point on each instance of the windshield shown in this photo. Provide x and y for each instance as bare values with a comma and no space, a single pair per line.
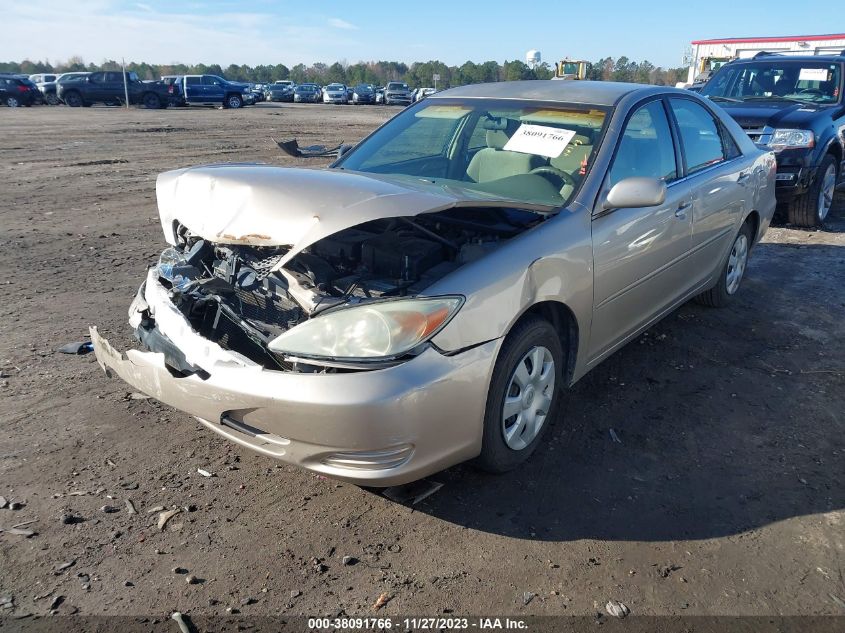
363,88
397,86
533,152
806,81
336,87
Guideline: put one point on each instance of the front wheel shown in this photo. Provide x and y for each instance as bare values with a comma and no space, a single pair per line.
732,272
524,395
51,99
234,101
811,209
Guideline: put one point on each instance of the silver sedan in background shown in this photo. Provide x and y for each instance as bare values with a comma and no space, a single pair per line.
429,298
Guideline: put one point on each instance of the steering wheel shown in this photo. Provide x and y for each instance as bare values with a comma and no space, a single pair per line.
549,170
809,91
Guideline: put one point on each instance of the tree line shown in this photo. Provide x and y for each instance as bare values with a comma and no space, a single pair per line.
417,74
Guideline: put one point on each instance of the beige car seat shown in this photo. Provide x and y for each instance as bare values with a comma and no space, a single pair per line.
493,162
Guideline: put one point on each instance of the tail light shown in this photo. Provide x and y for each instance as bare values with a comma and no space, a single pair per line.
23,88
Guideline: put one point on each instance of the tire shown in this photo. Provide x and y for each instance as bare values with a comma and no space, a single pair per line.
733,271
812,208
234,101
520,378
74,99
12,102
51,99
151,101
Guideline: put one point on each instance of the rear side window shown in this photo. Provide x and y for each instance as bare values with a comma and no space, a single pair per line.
702,139
646,148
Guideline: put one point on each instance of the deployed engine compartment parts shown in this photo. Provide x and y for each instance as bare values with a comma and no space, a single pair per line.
237,297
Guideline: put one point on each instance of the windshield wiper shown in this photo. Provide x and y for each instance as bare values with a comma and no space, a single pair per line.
721,98
773,98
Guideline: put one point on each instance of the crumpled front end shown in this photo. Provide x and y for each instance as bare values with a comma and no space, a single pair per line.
304,330
380,427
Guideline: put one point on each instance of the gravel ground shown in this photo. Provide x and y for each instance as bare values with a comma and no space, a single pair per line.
725,494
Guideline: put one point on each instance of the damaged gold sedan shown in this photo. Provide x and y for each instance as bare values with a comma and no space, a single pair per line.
428,298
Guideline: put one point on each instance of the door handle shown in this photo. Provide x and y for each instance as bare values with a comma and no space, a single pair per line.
743,176
681,211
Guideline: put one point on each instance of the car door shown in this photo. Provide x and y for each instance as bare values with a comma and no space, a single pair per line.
212,89
194,89
720,179
640,255
113,87
96,87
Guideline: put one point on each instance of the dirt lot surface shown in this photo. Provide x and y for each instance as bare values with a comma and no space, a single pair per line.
725,493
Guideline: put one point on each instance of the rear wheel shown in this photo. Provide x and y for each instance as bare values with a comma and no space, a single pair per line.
732,272
812,208
151,101
523,396
74,99
234,101
12,102
51,99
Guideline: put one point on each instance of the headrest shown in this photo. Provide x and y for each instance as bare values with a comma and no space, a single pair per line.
499,130
497,138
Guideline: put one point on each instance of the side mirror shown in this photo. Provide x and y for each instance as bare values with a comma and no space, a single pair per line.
636,192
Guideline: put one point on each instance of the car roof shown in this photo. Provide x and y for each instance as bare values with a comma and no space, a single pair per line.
778,57
605,93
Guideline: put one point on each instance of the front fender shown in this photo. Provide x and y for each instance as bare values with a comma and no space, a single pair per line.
552,262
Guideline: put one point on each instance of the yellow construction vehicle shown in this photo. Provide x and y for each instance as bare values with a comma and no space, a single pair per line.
570,69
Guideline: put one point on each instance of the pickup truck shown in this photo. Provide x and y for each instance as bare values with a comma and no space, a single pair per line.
214,90
792,104
108,87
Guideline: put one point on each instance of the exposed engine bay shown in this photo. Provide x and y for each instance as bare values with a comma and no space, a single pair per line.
241,298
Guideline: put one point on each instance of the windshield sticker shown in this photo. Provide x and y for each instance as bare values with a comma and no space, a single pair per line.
813,74
593,118
443,112
540,140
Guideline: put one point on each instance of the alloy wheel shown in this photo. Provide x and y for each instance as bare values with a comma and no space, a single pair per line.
12,102
528,398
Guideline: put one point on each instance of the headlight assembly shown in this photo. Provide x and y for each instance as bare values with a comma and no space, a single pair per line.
789,139
371,331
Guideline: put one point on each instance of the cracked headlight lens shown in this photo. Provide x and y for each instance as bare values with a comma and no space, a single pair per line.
383,329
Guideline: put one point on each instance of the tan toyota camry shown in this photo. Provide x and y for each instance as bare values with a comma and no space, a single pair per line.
429,298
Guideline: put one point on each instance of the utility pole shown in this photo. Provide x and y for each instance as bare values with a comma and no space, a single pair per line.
125,85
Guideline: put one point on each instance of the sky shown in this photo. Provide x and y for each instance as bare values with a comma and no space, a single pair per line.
307,31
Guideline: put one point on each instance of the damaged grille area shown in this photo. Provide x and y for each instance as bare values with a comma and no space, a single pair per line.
235,295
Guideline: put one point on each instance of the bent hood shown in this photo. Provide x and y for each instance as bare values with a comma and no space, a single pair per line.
262,205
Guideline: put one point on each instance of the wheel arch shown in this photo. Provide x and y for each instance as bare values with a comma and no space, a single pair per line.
753,218
563,320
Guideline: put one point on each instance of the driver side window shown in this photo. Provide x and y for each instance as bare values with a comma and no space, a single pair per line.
646,148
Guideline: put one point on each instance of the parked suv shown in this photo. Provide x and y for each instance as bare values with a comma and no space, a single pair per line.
397,93
792,104
108,87
15,92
